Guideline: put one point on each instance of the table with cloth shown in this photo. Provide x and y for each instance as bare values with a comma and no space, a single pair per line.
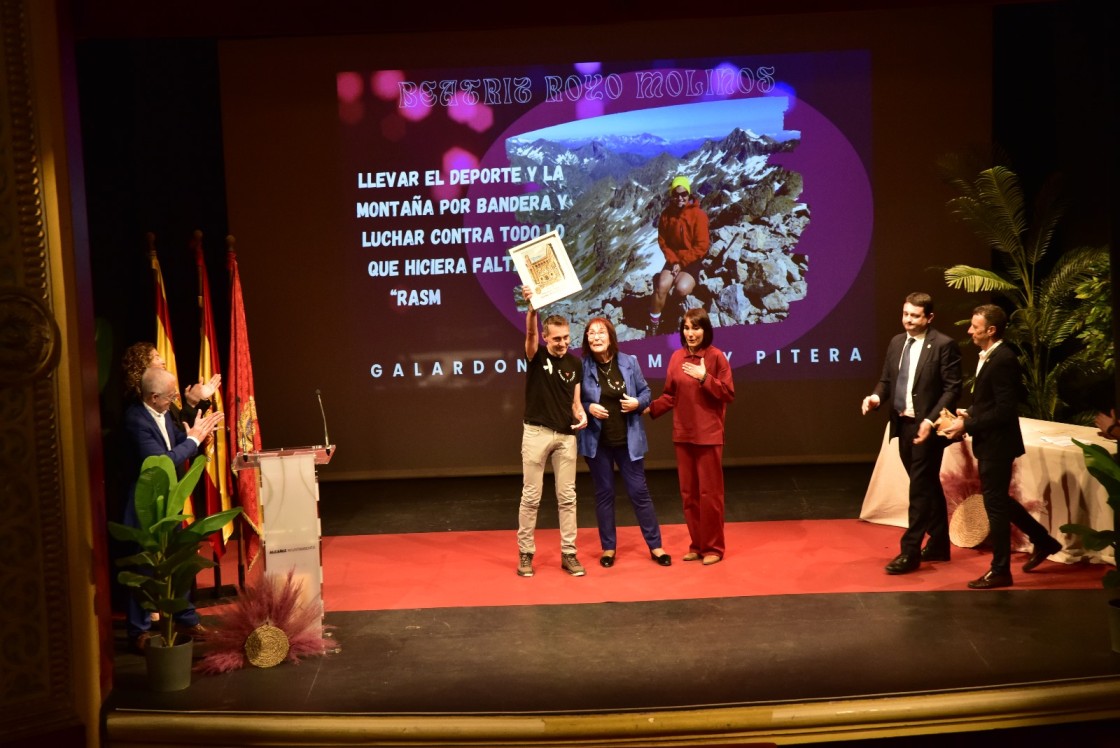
1050,480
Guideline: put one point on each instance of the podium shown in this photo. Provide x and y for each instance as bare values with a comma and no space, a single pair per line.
290,532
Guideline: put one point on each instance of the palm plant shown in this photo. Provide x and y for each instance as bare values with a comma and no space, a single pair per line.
1096,335
1049,308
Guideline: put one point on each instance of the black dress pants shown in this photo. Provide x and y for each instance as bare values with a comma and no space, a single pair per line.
1004,511
927,513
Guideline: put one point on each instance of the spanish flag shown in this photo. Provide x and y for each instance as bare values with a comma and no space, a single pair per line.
242,413
164,346
216,479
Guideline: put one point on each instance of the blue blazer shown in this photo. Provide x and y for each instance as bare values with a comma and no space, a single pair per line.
590,391
145,440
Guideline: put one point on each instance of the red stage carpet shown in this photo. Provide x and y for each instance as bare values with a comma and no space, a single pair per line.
458,569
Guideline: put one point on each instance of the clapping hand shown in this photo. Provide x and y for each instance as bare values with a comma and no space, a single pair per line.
204,425
196,393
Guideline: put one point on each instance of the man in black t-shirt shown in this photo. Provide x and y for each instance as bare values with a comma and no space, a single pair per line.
553,413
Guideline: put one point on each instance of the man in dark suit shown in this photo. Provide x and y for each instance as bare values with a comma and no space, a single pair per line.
921,375
150,431
993,423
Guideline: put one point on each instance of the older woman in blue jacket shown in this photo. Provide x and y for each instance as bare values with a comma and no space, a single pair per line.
614,394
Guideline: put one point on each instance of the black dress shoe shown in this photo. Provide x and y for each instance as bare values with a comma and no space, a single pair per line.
606,561
1040,553
991,580
932,554
903,563
664,559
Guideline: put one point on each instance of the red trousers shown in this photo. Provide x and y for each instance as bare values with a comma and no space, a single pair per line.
700,472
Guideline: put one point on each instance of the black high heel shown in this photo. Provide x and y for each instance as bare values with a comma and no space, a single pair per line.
664,559
606,561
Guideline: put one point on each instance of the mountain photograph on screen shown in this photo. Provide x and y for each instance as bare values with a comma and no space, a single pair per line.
618,182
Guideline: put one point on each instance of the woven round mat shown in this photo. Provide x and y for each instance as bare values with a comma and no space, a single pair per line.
266,646
968,527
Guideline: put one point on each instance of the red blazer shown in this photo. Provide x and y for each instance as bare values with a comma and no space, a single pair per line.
700,408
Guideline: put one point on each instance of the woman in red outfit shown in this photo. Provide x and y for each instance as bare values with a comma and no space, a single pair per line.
698,387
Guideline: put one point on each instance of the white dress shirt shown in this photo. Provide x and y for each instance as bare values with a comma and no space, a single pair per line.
915,354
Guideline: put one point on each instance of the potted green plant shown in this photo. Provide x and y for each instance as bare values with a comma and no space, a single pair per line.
162,572
1106,470
1051,304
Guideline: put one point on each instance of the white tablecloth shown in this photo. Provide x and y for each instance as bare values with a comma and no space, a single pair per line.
1050,480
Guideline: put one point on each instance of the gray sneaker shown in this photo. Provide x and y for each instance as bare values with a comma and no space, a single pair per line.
525,565
570,564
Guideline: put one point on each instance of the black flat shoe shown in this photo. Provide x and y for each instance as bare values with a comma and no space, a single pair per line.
606,561
664,559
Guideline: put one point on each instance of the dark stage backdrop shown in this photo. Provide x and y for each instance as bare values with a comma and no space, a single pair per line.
375,185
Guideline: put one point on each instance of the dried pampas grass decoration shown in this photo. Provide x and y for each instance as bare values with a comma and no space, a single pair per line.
256,628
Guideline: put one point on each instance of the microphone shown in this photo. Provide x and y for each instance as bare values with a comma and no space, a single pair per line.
326,437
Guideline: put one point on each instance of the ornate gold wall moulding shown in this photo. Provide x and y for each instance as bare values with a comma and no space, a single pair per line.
29,337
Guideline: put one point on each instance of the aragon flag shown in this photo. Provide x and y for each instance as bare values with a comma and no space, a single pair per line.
242,413
216,479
